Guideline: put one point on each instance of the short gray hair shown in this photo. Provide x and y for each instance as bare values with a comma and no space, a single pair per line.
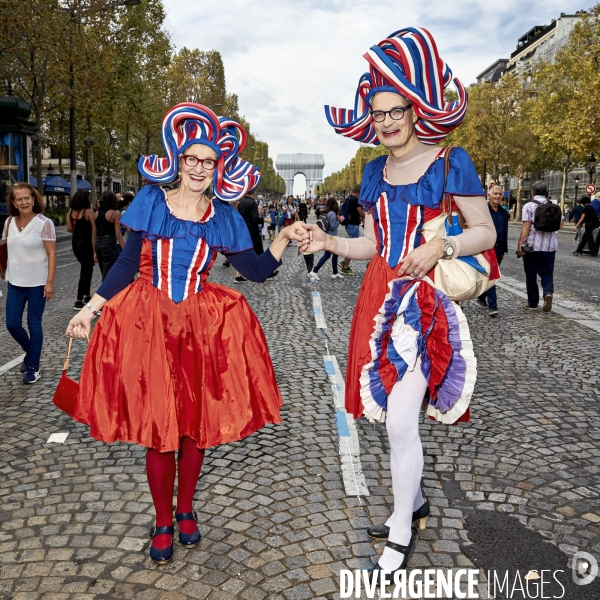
539,188
496,187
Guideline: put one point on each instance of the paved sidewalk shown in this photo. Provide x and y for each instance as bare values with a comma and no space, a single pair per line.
516,489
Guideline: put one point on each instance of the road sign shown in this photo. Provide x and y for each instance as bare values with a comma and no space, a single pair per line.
590,188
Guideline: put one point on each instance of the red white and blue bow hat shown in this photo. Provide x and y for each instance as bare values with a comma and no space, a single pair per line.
188,123
407,63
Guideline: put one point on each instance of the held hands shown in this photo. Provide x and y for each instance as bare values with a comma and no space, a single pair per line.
80,326
316,239
296,231
421,260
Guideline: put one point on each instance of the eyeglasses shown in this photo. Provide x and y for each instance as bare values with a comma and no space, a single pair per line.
23,199
396,113
208,164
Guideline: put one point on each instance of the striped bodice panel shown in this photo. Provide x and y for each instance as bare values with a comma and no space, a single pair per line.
177,266
398,227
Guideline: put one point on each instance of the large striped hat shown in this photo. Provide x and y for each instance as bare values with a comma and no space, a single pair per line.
186,124
406,62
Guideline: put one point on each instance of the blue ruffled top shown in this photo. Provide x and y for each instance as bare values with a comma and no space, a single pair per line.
429,189
224,231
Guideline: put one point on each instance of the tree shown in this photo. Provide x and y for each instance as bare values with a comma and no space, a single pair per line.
567,108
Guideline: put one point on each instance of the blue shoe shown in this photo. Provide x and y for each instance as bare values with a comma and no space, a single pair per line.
32,375
161,555
24,367
189,540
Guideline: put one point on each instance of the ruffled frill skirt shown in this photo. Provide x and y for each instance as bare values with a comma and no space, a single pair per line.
156,371
396,321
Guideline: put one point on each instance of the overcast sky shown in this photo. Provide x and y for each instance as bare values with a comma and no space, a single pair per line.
285,59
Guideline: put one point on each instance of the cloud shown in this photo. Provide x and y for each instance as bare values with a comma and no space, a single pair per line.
286,59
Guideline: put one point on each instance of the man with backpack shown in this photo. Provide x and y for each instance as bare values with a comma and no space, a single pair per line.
352,215
589,219
537,245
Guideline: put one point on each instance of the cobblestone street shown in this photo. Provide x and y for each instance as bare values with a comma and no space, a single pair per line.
516,489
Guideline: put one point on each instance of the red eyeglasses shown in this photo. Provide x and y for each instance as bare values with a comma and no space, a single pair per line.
208,164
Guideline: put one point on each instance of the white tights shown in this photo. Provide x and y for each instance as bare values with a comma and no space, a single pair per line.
406,459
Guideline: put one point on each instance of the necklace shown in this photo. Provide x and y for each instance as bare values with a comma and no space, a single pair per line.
20,228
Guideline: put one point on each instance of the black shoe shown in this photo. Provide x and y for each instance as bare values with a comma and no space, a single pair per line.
273,274
374,572
226,263
24,366
481,303
381,532
493,313
86,299
240,279
78,305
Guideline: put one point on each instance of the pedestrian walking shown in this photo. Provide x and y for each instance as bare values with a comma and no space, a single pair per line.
588,220
189,365
82,224
303,210
330,221
108,232
537,247
30,271
499,216
575,216
272,221
387,378
353,215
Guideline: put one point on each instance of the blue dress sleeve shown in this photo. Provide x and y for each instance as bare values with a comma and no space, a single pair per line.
462,177
124,270
145,212
253,267
371,182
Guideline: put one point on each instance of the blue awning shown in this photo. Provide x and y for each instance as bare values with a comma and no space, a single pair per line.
33,181
84,184
56,185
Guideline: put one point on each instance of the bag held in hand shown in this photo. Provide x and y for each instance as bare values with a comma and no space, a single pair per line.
65,396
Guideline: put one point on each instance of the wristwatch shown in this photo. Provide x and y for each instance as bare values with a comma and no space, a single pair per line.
448,249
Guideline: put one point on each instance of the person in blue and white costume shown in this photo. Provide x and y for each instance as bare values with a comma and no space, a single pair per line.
177,363
407,338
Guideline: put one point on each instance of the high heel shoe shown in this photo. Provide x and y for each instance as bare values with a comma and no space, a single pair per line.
189,540
381,532
374,572
161,555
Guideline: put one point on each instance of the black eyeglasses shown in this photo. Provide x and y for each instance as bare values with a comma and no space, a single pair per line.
396,113
208,164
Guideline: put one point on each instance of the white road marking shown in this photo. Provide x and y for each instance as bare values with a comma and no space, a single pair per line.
349,448
67,265
57,438
563,312
13,363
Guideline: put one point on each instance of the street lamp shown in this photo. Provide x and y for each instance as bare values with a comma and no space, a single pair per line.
576,187
73,142
591,167
50,169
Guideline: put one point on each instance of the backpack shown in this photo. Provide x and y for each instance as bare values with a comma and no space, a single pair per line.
548,216
345,211
323,222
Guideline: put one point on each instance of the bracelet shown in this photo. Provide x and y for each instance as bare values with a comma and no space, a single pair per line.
91,308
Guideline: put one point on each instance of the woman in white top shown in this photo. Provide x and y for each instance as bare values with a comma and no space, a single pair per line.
30,272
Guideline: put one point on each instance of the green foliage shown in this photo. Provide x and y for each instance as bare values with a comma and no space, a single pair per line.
351,174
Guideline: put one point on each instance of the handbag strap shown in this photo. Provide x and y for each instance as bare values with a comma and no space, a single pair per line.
8,222
66,363
446,198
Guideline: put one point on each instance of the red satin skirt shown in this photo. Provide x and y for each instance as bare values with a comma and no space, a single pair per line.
156,371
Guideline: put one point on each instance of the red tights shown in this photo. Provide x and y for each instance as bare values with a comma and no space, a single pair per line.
160,469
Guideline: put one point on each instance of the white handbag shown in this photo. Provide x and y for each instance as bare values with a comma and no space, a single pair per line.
463,277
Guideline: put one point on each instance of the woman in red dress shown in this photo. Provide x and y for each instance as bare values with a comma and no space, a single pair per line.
177,363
